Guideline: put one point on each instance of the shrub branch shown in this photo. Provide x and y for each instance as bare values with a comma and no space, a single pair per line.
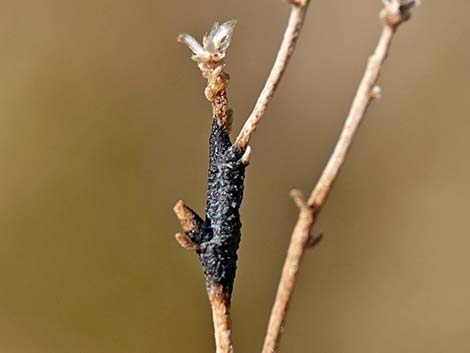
392,15
216,238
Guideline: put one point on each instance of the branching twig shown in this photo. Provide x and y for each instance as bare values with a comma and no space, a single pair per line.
216,238
394,14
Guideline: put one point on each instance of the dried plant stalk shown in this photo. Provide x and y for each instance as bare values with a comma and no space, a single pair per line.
302,238
216,238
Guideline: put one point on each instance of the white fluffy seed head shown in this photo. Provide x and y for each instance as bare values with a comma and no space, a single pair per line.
214,43
394,6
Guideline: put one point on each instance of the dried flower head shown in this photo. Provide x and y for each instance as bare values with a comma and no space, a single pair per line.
398,6
214,43
397,11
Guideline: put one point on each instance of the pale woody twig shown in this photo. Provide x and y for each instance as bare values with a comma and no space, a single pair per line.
394,14
296,20
363,98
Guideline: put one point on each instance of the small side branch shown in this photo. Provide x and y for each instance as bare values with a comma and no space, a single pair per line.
296,21
394,13
192,226
188,219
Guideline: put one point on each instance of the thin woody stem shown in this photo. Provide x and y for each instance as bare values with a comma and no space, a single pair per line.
296,20
366,92
220,305
302,233
298,244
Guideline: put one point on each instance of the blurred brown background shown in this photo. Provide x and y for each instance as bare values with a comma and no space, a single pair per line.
103,126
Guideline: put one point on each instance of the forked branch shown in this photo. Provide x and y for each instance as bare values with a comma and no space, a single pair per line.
216,238
394,13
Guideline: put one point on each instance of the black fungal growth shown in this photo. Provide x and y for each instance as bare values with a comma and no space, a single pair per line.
218,236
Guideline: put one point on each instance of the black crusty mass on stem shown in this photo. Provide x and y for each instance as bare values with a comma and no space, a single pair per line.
218,236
